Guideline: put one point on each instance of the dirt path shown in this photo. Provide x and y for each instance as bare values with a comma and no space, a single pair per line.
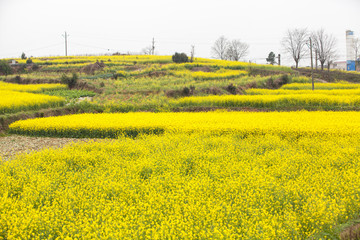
12,145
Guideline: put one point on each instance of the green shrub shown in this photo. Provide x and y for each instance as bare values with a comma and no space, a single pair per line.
180,58
29,61
5,68
231,88
18,79
35,67
70,81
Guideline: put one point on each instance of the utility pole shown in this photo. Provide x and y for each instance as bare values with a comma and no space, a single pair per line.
316,60
192,53
153,47
279,59
65,36
312,67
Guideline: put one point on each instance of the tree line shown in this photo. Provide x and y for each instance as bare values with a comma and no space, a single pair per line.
296,43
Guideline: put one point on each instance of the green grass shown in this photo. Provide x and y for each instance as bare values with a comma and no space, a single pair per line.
70,94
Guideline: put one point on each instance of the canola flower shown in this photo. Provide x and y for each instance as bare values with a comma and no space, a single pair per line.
14,101
210,75
184,186
30,87
113,60
341,91
242,65
321,86
129,60
65,66
113,125
302,101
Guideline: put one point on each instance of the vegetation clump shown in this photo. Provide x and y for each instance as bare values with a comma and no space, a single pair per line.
70,81
5,69
180,58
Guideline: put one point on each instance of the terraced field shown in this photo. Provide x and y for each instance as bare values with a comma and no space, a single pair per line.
160,174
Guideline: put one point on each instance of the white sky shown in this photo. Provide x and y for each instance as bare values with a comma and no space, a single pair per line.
36,26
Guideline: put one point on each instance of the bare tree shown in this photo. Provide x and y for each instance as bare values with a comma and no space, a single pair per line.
147,50
294,43
356,47
219,48
237,50
333,56
325,46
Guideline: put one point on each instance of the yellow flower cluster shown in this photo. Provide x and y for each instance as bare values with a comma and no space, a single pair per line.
121,60
343,91
321,86
185,186
288,101
64,66
224,74
242,65
13,101
116,124
115,60
30,87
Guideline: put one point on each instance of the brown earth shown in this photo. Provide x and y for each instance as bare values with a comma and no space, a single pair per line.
92,68
157,74
264,72
330,76
351,233
201,69
20,80
133,68
13,145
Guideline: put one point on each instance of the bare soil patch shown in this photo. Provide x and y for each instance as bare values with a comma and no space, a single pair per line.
201,69
20,80
92,68
133,68
351,233
13,145
330,76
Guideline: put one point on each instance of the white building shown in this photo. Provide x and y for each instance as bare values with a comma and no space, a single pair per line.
339,65
350,52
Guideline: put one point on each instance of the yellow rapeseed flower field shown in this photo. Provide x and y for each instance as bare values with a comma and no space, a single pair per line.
287,124
72,60
187,186
221,74
287,101
14,101
322,86
257,91
30,87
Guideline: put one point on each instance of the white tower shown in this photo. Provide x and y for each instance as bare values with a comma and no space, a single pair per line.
350,53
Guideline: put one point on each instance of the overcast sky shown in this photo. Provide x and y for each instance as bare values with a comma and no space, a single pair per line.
106,26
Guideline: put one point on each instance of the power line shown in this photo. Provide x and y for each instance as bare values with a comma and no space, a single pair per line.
35,49
91,46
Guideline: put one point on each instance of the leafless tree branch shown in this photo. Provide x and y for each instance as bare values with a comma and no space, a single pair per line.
356,47
325,45
294,44
219,48
147,50
237,50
